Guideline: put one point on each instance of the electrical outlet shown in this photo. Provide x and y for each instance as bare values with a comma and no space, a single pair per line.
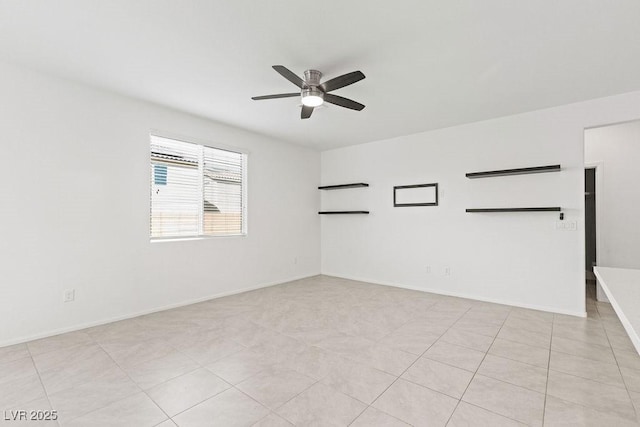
428,269
69,295
447,271
295,260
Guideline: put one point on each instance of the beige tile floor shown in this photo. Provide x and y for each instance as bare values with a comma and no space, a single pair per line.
325,351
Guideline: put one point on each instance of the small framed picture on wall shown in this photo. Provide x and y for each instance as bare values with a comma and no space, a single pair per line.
415,195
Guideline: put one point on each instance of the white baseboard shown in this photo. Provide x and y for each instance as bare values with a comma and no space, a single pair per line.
142,313
462,295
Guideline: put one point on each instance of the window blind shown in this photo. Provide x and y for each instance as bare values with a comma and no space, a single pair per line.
223,195
196,190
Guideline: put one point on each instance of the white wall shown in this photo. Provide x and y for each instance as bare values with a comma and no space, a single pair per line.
512,258
617,150
74,210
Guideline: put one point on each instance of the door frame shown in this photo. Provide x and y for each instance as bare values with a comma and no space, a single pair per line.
599,168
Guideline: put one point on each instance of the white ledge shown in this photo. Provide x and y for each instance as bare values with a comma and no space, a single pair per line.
622,287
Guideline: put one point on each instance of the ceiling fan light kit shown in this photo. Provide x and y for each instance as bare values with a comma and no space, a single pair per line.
312,97
313,93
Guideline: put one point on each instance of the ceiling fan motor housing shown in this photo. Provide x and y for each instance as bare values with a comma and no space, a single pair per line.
312,77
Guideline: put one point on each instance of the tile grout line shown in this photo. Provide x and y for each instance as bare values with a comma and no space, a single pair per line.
268,327
219,393
546,386
232,386
132,380
320,381
39,374
46,394
569,354
409,367
588,379
251,376
403,324
200,366
476,372
499,380
196,404
356,361
289,400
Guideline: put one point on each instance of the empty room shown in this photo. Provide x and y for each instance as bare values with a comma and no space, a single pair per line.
343,213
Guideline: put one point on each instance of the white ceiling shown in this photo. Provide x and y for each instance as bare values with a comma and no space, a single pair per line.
429,64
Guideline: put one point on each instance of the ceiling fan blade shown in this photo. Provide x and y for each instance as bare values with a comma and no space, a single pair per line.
306,112
289,75
343,102
342,81
280,95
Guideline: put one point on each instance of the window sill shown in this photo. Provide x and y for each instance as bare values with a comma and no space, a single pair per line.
188,239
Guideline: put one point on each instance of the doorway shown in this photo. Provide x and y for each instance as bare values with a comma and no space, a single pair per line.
590,229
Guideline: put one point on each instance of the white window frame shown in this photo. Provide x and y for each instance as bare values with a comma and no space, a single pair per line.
245,187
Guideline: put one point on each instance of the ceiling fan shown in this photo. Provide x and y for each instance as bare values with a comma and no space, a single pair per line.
314,93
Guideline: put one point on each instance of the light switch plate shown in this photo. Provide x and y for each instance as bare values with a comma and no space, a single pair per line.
567,225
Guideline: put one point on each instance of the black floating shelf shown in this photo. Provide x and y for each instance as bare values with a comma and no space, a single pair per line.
544,209
520,171
342,212
341,186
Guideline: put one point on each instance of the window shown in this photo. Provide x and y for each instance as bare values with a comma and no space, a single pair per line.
196,190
